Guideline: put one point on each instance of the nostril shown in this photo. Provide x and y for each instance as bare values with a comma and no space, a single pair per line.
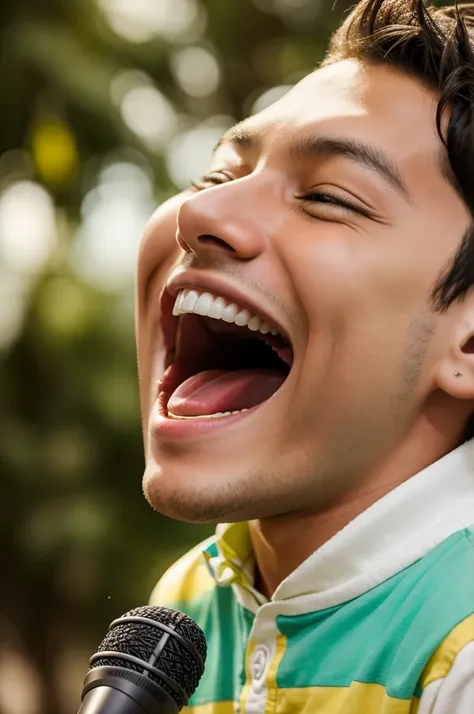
206,239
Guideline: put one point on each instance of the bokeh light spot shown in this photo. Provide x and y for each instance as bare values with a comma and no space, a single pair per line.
196,70
142,20
64,308
28,233
149,115
54,152
189,154
114,215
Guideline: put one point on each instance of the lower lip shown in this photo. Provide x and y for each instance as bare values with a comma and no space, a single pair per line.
164,427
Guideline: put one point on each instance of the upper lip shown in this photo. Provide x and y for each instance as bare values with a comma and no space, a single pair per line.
214,285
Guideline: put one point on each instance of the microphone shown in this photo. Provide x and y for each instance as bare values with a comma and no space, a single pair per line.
150,662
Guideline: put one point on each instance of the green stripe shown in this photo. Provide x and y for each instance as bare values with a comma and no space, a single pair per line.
226,626
212,550
387,635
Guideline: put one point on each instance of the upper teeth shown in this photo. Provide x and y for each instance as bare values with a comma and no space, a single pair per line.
219,309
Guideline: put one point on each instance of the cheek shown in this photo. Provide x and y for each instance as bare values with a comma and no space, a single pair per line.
329,277
341,274
360,296
158,247
158,255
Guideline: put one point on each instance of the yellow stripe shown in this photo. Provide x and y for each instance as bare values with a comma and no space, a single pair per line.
272,695
248,677
211,708
443,658
357,699
235,543
185,580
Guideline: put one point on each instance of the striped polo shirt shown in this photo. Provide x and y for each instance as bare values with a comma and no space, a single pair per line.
379,620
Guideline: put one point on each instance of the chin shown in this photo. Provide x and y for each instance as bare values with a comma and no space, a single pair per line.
204,495
190,498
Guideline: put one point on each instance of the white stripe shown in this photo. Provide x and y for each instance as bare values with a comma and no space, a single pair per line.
454,694
264,633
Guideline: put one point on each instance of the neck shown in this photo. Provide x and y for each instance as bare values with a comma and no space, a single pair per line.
281,543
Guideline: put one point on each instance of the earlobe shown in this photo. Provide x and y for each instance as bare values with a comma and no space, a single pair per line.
456,371
457,383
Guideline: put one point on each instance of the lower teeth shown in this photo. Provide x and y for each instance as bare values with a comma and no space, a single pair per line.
205,416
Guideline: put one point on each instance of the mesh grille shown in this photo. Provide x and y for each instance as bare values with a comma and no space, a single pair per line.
140,640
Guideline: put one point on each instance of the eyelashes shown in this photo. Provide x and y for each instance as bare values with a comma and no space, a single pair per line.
326,199
212,179
329,199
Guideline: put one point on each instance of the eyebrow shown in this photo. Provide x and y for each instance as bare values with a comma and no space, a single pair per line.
241,136
370,157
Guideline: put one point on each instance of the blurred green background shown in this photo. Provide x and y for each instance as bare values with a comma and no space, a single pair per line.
108,108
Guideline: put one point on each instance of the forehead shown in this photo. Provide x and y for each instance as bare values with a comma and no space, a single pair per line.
365,102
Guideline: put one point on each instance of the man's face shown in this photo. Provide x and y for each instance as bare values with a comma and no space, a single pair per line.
327,216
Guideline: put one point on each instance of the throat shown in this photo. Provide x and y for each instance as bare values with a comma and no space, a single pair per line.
218,391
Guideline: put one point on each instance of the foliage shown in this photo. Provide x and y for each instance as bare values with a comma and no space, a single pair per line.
79,543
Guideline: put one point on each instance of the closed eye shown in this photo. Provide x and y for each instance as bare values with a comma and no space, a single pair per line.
330,199
214,179
324,198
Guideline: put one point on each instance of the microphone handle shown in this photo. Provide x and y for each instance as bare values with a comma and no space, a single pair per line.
116,690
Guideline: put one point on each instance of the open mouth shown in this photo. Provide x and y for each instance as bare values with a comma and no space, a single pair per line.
221,358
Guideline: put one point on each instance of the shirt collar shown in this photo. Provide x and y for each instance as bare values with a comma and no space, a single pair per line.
230,561
398,529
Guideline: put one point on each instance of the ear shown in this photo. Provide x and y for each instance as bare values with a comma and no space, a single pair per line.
455,371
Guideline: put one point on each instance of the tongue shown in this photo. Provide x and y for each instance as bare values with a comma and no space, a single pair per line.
219,390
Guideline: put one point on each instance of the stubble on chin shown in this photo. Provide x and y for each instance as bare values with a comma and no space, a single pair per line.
225,496
205,504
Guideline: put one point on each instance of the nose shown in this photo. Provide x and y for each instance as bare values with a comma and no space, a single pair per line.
224,221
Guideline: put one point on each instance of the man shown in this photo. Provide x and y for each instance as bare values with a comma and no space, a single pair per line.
305,336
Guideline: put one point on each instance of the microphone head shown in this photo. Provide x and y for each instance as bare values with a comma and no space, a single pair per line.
161,644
